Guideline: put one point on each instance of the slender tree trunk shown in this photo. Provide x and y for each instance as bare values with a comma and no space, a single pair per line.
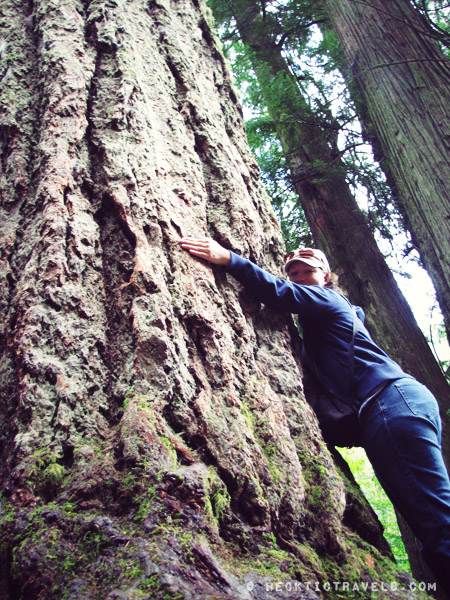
337,224
154,437
404,80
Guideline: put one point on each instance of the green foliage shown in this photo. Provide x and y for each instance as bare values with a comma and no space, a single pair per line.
275,175
436,14
365,477
319,95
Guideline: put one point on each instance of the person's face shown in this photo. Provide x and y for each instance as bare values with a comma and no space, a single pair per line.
300,272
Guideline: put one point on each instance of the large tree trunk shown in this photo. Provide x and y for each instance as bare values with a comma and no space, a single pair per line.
404,80
337,224
155,439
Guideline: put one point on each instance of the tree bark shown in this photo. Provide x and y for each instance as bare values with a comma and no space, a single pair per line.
403,78
154,436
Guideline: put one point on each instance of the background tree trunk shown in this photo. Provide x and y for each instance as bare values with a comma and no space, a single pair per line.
403,78
154,440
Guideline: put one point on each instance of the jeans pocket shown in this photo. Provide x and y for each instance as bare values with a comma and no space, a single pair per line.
419,400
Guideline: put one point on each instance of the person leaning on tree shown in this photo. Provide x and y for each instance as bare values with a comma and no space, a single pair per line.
397,417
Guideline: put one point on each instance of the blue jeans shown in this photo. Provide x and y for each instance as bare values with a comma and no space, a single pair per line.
402,437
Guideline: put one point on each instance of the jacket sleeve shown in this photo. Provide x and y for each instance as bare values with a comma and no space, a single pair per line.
278,293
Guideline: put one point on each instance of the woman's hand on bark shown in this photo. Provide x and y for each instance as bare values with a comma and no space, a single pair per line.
206,248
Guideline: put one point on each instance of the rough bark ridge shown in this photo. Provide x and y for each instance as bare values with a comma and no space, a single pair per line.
403,78
155,440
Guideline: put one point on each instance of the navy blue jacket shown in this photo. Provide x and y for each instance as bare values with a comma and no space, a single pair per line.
326,318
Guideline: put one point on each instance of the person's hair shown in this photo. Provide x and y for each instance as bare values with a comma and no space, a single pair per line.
332,282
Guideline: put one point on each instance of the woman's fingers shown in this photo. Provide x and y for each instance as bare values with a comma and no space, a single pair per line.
206,248
196,246
194,243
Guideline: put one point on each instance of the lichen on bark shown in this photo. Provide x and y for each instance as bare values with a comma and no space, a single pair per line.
155,438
